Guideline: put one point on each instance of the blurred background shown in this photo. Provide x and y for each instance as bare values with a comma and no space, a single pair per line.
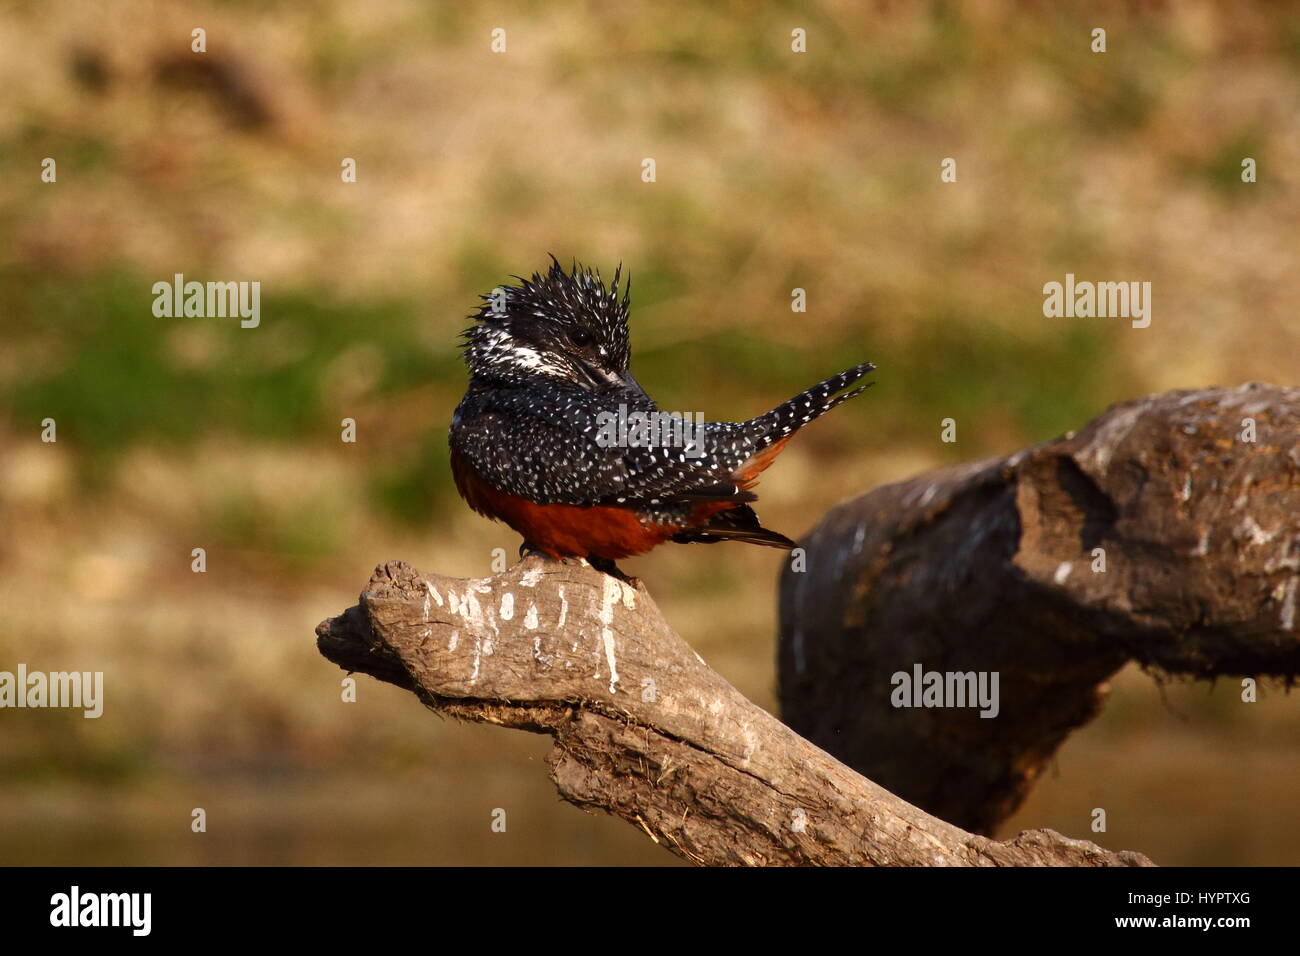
775,170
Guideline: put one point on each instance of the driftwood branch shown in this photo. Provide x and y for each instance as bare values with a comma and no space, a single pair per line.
1160,533
642,727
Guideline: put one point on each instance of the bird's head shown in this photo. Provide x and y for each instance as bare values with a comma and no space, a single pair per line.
561,326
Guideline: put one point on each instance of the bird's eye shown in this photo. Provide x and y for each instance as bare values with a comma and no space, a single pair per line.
580,338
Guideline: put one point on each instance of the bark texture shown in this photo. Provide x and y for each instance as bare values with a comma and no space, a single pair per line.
642,727
1161,533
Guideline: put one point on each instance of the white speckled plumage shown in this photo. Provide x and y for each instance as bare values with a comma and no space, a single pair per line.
551,354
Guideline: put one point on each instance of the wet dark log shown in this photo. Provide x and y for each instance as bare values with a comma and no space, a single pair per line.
642,727
1166,532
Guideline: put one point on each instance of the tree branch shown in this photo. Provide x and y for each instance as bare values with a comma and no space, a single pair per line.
993,567
642,727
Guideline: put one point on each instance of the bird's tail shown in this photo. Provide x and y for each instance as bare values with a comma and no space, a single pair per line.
788,417
735,524
767,434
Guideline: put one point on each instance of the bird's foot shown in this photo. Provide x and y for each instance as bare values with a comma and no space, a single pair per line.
607,566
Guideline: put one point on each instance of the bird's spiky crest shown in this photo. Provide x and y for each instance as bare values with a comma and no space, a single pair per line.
532,312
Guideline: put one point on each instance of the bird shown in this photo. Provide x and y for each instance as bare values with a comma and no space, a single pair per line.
536,440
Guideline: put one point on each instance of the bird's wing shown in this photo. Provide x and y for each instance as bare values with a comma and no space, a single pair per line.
548,446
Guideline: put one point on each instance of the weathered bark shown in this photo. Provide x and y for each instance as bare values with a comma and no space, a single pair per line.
991,567
642,727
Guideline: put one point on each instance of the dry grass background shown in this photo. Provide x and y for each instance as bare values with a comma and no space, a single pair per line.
774,171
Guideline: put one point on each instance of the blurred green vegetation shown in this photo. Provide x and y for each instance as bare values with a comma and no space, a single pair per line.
107,373
112,378
107,376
